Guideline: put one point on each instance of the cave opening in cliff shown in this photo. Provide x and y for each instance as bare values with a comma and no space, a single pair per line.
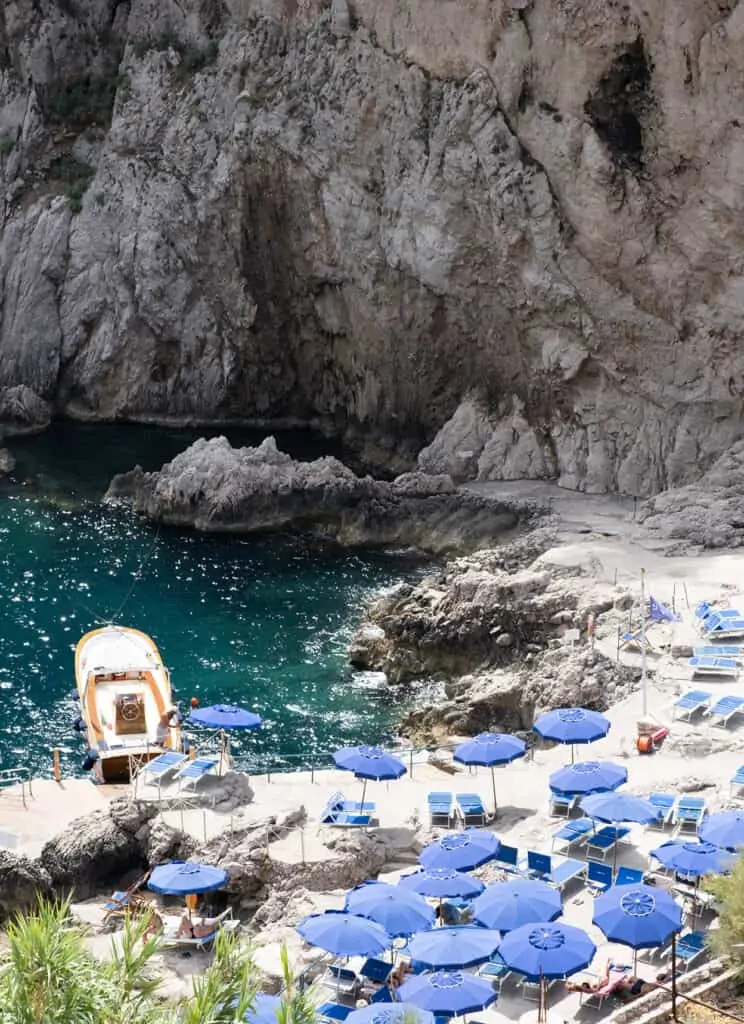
619,104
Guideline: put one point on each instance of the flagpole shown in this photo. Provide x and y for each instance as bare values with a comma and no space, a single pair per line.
644,681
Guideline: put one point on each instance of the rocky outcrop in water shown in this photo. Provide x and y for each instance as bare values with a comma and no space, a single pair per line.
521,219
212,486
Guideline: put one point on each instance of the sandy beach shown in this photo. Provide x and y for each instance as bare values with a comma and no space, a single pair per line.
696,756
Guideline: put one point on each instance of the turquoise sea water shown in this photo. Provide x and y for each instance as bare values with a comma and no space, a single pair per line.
257,621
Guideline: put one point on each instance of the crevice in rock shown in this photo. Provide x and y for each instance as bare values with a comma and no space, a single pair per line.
620,103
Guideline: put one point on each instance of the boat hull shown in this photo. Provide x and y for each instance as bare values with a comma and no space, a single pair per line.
124,689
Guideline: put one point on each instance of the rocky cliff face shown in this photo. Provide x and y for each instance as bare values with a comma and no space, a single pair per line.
369,212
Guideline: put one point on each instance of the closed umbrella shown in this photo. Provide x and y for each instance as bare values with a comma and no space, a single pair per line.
641,916
461,851
572,725
587,777
448,993
399,911
438,883
725,830
344,934
449,948
390,1013
490,749
509,905
369,763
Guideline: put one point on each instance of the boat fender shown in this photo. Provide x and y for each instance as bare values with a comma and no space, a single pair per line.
79,725
90,760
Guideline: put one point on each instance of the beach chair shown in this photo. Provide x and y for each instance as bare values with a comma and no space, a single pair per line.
342,980
496,971
726,668
737,779
341,813
723,625
689,813
531,986
689,948
333,1011
664,802
153,773
124,902
635,641
724,710
222,922
573,833
540,865
598,877
595,999
375,970
629,876
508,860
605,841
471,809
441,811
690,703
382,995
561,804
192,773
735,651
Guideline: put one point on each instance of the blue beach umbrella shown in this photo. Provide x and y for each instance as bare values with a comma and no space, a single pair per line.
225,716
344,934
588,777
182,878
640,916
572,725
445,949
693,859
369,763
264,1009
616,807
448,993
509,905
390,1013
547,950
725,830
461,851
438,883
399,911
490,749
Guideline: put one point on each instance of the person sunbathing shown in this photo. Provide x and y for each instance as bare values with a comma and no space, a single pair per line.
189,929
398,976
613,981
153,927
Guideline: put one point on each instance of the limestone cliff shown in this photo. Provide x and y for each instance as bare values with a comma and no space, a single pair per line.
365,213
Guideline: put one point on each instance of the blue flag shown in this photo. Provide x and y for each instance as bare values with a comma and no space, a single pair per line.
659,612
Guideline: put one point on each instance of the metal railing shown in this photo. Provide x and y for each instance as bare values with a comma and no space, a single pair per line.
18,776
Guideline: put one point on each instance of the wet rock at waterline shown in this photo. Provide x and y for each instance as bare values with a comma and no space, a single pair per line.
212,486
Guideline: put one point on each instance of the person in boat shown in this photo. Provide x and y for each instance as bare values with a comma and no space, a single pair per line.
189,929
168,720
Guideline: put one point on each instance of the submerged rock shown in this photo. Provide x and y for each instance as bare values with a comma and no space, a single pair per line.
7,462
212,486
22,411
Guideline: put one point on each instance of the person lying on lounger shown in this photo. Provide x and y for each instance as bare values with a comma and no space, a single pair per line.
188,929
613,982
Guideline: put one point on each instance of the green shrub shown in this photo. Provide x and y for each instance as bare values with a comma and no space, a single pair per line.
728,939
81,102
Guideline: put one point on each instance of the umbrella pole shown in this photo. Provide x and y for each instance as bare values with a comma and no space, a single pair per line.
573,753
542,1005
364,793
674,976
493,785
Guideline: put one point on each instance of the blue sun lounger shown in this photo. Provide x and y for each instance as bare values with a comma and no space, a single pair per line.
629,876
341,813
194,771
441,811
724,710
375,970
605,841
690,703
562,804
689,813
724,626
573,833
496,971
735,651
737,779
471,808
664,802
509,861
726,667
598,878
541,866
334,1011
154,772
689,948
